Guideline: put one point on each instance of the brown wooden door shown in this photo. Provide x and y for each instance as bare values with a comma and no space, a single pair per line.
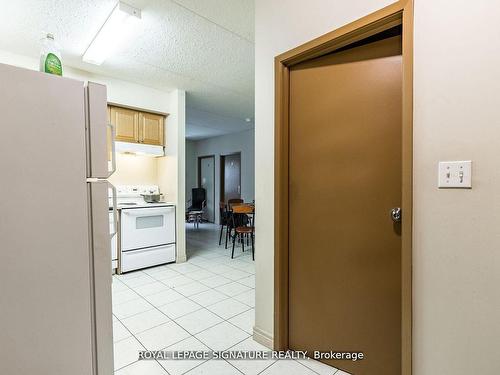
345,177
151,129
231,177
126,122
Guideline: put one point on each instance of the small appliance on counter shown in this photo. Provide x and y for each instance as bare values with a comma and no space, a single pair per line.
147,228
152,197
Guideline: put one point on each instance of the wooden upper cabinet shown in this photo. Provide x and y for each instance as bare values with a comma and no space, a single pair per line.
151,127
138,127
126,122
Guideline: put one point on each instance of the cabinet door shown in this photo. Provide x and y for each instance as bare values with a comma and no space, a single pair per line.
126,122
151,128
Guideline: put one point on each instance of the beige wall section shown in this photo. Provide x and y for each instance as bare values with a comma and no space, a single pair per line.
135,170
456,232
171,176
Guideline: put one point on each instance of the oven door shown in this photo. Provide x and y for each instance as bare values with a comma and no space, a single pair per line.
147,227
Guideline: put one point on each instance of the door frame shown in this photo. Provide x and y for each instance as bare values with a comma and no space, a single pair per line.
222,174
399,13
200,158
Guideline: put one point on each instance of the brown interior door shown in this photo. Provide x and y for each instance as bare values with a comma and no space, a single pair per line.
345,177
232,176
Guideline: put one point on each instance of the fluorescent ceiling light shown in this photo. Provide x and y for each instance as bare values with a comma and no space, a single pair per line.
117,29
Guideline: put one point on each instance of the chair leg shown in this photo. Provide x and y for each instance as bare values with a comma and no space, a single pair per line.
234,243
221,230
242,243
228,233
253,250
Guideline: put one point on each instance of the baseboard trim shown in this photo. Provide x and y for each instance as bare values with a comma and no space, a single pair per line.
181,256
263,338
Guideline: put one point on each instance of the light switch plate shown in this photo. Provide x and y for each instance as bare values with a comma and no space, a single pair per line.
455,174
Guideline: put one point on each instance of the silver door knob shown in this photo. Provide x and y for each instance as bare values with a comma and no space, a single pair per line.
396,214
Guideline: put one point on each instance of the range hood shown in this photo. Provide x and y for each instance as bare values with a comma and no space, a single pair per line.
139,149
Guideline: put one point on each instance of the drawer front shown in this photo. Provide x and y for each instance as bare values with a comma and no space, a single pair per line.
137,259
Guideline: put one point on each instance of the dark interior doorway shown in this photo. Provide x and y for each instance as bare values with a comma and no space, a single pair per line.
230,176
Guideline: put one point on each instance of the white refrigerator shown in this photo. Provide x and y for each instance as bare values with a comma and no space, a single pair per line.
55,254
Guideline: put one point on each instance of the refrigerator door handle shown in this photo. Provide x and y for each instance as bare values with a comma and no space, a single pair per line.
115,211
113,151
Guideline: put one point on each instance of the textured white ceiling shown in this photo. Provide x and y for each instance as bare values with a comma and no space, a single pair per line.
203,46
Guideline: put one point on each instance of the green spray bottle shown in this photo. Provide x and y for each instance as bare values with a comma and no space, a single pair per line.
50,56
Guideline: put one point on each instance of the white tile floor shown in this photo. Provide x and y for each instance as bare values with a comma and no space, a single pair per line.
206,303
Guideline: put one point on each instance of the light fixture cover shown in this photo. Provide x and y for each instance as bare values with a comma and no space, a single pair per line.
118,28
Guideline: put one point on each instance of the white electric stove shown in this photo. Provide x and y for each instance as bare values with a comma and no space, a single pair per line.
146,231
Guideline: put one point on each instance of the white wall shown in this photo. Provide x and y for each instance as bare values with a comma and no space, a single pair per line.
191,168
119,91
169,169
243,142
456,232
135,170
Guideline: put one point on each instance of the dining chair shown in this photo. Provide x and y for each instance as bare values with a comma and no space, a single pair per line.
241,230
224,221
229,228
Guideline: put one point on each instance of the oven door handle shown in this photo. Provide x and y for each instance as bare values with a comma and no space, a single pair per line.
152,211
